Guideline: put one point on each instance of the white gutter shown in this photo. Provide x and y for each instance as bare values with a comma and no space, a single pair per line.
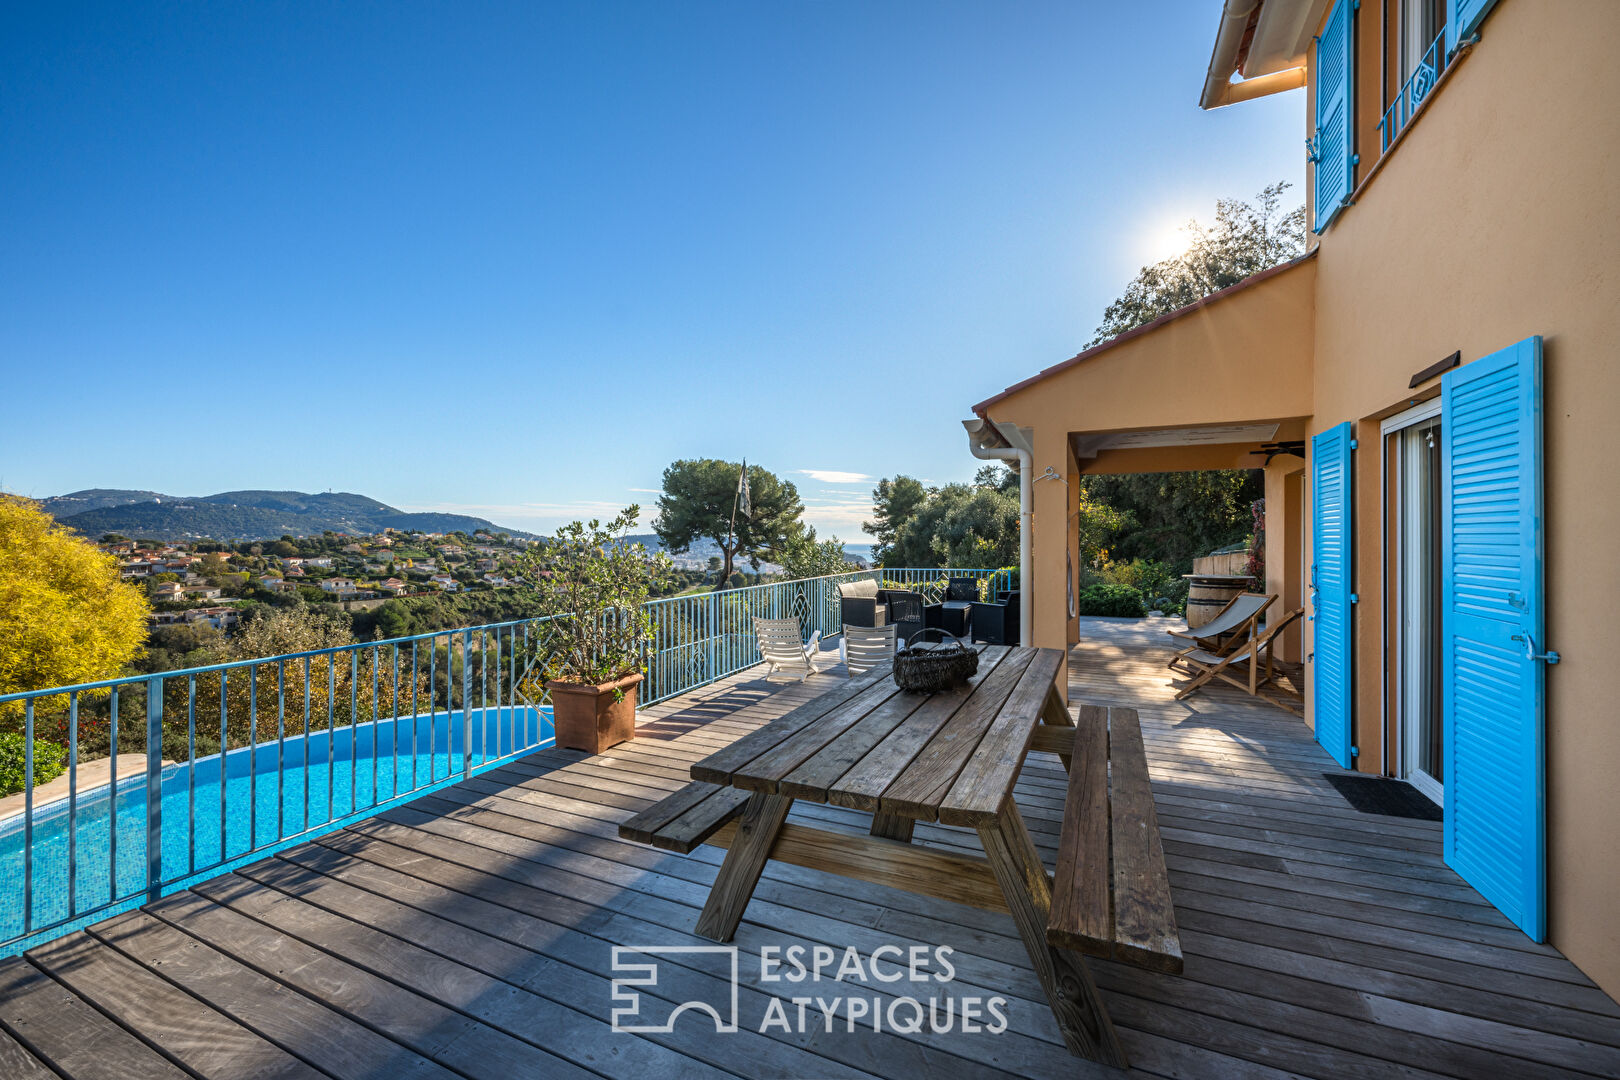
983,439
1219,89
1228,39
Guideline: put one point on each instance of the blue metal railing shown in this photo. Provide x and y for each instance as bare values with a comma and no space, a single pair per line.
706,636
243,758
303,742
1414,91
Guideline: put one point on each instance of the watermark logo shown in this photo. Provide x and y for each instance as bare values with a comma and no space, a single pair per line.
627,1014
905,990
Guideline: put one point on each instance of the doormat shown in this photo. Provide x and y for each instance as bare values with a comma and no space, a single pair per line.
1378,795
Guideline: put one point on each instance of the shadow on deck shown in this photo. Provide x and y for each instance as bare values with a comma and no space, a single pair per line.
472,933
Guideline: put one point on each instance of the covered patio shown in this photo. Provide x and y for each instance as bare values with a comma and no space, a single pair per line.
1223,383
471,932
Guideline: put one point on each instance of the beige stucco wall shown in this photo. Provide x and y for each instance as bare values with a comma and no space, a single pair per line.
1491,221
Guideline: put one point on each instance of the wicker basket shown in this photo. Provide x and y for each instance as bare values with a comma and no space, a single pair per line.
929,669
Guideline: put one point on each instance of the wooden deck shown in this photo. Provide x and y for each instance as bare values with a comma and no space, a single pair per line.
471,933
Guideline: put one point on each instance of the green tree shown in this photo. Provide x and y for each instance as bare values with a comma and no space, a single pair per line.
65,617
958,525
213,569
893,504
807,557
1245,239
697,505
182,645
594,584
996,476
1176,516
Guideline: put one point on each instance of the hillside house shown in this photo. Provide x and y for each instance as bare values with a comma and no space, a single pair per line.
168,592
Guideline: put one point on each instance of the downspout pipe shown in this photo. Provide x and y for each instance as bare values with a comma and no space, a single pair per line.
988,441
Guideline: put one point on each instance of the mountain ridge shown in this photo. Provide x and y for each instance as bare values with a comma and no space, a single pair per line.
248,514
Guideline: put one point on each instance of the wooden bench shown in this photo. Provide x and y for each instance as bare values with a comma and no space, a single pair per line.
1111,896
684,820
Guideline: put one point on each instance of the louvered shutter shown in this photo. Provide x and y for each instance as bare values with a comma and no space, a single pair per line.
1493,641
1333,145
1332,531
1463,18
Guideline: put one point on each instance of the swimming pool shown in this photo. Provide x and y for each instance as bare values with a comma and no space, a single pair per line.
90,859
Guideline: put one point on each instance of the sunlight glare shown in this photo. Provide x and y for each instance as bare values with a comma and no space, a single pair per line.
1163,238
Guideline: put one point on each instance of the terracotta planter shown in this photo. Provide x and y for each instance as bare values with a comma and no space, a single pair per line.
593,718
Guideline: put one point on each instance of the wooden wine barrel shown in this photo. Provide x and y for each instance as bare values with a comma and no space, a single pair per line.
1207,594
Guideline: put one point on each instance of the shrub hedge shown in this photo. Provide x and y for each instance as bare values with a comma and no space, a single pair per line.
50,761
1116,600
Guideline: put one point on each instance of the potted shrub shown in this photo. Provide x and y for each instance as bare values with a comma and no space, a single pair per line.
594,587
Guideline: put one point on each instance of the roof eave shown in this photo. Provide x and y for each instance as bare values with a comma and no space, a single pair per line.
983,407
1264,43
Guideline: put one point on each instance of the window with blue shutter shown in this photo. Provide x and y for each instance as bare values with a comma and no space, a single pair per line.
1494,647
1332,546
1463,18
1333,145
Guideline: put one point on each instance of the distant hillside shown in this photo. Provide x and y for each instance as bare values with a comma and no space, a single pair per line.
244,515
61,506
697,557
700,548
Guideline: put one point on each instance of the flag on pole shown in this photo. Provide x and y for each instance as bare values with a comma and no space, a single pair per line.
743,503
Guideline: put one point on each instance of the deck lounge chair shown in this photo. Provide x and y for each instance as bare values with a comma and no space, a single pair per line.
1204,665
783,647
1230,627
865,647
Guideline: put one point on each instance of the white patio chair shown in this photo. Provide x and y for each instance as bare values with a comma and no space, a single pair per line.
783,647
865,647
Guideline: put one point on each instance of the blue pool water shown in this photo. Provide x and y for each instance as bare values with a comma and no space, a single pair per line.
279,790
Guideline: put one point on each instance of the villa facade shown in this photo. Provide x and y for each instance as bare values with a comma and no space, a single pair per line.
1431,392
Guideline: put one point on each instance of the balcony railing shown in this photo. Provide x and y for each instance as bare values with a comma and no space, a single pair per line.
238,760
1414,92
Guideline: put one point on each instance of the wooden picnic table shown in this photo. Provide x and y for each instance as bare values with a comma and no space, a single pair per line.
951,757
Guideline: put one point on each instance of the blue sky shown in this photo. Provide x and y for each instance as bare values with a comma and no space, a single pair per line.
512,260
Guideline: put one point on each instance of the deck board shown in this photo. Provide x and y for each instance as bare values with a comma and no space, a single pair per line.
470,933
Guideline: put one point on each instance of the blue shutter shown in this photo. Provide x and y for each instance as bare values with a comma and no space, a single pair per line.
1463,18
1492,630
1332,532
1333,148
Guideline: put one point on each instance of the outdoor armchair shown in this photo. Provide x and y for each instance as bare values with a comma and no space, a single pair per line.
996,624
906,613
861,603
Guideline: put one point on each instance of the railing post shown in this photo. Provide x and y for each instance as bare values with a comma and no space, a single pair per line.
714,623
466,703
154,788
